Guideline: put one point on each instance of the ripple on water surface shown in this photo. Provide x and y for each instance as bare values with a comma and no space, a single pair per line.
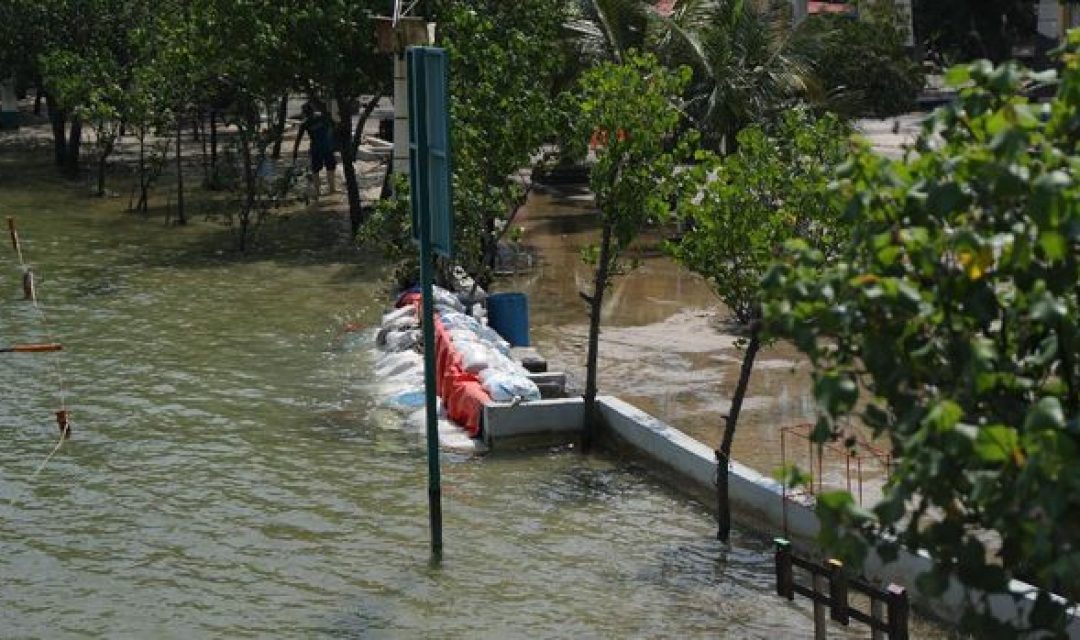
230,477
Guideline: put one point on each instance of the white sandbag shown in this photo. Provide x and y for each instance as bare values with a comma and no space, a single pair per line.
462,335
475,356
403,312
395,363
508,387
443,299
402,323
403,340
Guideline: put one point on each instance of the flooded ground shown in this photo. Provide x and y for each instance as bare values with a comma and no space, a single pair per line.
232,475
667,345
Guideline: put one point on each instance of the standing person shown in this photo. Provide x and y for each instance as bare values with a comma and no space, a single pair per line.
319,127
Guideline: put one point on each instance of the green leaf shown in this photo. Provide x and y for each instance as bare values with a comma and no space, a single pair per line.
1047,413
835,392
996,443
1046,308
943,416
1053,245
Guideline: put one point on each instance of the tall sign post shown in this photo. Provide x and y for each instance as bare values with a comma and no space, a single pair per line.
432,218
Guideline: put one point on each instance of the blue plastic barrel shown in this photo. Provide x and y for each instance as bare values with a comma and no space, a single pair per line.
508,313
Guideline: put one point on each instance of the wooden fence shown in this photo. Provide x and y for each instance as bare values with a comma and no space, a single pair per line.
829,589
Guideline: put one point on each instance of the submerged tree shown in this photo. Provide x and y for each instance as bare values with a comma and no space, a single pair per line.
949,325
630,110
773,189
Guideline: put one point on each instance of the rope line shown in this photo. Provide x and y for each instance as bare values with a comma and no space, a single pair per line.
30,290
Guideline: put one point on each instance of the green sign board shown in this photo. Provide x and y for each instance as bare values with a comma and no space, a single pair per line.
429,146
433,228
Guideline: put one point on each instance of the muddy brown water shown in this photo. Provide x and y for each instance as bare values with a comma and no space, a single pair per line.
668,346
233,473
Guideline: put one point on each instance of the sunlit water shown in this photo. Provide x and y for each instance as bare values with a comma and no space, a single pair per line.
231,474
665,346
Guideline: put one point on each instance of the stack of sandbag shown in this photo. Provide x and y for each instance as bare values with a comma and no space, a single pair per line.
400,331
484,354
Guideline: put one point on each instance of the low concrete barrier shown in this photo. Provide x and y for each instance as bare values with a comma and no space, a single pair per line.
757,500
557,419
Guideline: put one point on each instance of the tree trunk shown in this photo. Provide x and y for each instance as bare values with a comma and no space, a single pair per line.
723,454
349,142
74,145
59,128
181,216
344,134
279,125
204,148
141,205
596,301
104,151
102,163
213,147
249,189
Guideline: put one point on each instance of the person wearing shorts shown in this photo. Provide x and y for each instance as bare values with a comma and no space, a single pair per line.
319,128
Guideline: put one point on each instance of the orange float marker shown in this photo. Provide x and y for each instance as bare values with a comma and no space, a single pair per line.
42,347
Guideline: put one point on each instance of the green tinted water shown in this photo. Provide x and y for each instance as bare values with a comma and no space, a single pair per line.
231,474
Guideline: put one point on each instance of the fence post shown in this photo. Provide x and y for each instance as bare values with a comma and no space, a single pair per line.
785,579
898,612
877,614
821,620
838,591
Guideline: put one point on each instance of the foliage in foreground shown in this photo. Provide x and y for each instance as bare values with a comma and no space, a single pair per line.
949,326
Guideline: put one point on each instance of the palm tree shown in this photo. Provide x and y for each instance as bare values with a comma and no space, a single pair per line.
747,63
605,30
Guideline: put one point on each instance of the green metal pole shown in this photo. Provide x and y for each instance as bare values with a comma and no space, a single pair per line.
434,482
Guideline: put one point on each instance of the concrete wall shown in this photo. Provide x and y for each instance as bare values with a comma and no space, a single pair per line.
759,498
756,499
540,420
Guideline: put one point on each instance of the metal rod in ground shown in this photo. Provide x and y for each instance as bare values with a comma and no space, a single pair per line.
434,482
14,234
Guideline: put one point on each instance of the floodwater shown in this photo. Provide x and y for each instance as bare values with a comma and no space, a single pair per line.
667,346
232,475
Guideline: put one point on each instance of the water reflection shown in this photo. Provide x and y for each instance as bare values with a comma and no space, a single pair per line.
667,346
231,474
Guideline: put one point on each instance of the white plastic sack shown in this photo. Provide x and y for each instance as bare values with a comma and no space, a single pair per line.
508,387
403,340
397,314
393,364
401,323
443,299
475,356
